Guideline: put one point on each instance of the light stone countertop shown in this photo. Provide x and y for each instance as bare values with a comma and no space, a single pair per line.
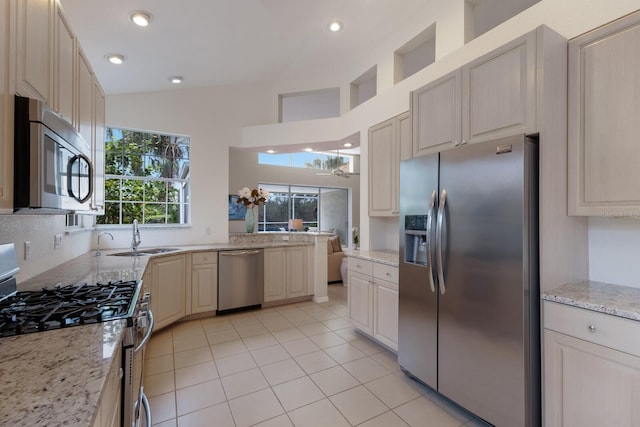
622,301
387,256
56,377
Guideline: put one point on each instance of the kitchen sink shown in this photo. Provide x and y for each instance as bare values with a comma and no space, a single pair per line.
145,252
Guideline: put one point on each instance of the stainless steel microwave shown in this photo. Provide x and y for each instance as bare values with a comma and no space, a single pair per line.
52,165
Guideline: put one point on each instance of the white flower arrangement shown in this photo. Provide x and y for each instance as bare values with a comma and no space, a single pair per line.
252,197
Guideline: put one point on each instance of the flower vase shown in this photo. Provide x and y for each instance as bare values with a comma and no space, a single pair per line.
250,219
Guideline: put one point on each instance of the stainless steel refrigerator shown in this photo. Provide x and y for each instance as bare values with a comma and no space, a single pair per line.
469,283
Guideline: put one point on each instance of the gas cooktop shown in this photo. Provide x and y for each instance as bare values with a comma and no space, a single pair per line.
67,306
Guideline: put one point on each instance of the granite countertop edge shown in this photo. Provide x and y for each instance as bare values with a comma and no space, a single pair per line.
615,300
384,256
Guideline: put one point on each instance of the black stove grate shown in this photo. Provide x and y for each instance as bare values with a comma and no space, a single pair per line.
65,306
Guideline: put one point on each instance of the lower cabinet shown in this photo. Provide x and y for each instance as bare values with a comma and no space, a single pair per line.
168,291
285,273
591,368
204,281
109,407
360,301
373,300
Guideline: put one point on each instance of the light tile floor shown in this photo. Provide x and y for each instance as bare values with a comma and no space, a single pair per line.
297,365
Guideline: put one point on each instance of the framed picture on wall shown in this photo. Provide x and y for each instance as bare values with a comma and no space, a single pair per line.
236,210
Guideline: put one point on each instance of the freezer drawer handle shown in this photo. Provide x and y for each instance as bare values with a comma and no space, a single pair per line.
432,205
441,208
238,253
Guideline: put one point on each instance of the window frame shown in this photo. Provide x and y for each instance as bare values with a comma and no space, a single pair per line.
181,183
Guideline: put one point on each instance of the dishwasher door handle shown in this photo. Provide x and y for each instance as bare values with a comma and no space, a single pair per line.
238,253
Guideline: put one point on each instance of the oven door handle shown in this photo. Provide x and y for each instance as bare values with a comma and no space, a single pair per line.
148,334
147,408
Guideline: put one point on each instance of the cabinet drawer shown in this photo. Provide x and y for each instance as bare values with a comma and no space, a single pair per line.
361,266
204,258
385,272
599,328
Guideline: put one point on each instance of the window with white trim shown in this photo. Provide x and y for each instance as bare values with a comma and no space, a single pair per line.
146,178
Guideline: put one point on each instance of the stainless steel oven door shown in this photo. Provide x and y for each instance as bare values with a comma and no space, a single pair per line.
141,407
135,406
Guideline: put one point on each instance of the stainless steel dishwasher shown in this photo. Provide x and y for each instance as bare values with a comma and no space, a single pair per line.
240,280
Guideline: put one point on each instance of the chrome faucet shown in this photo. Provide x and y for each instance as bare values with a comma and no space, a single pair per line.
98,253
135,241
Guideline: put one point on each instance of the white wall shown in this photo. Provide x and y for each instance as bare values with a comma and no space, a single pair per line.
40,231
614,250
213,118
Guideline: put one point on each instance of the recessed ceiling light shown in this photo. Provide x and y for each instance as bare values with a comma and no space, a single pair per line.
140,18
348,144
335,26
115,58
176,79
308,150
271,151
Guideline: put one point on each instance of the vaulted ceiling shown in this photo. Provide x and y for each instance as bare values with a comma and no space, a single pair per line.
220,42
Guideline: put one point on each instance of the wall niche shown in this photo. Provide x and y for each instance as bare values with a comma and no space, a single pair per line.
481,16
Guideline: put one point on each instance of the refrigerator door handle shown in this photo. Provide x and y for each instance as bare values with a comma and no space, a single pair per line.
441,208
432,205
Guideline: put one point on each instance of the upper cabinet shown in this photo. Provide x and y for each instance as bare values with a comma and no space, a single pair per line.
97,149
604,107
6,113
64,68
85,97
388,142
35,36
437,109
499,92
491,97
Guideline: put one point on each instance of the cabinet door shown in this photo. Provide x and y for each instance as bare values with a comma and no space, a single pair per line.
204,288
499,92
604,106
35,48
383,156
97,150
437,114
403,134
360,302
385,324
274,274
85,98
296,268
168,300
589,385
6,114
64,71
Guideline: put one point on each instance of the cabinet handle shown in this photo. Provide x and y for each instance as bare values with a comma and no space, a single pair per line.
387,274
592,328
